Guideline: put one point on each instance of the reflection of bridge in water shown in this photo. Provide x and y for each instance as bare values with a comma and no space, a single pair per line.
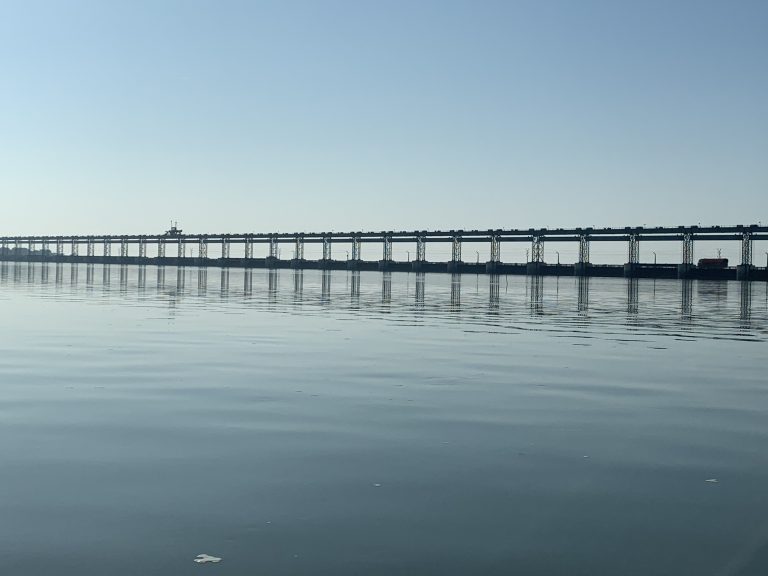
536,297
135,249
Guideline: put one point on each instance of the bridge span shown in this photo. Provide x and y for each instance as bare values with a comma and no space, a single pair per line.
170,248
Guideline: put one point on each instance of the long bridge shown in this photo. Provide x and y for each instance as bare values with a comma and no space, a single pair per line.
170,249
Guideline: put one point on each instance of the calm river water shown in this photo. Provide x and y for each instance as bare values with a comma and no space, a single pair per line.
380,424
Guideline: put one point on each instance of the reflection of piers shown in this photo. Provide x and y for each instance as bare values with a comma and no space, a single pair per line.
686,299
745,302
536,288
354,286
59,274
4,272
420,289
632,295
123,277
386,287
180,279
202,281
493,292
325,286
160,277
89,275
298,285
44,273
224,284
272,283
142,278
248,282
455,291
73,270
582,302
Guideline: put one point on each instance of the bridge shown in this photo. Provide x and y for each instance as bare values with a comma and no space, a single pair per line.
170,249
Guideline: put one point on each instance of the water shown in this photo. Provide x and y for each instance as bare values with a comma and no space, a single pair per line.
311,423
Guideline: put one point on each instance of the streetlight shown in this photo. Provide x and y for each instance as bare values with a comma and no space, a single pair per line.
409,255
526,256
654,258
558,257
478,256
347,254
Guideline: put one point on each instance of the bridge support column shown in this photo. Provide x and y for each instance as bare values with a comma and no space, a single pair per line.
354,262
581,268
89,249
326,261
744,270
536,266
298,252
202,248
123,248
686,269
492,266
633,257
160,248
248,248
455,264
224,248
142,248
386,261
421,253
180,252
272,259
74,249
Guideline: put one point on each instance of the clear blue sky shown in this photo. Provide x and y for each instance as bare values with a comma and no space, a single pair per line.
257,116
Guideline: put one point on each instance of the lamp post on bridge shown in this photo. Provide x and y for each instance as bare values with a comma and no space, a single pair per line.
558,257
478,256
526,255
409,255
654,258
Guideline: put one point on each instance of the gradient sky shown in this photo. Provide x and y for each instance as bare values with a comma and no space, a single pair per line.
116,117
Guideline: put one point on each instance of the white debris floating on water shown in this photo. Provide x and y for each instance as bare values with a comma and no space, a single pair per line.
712,480
205,558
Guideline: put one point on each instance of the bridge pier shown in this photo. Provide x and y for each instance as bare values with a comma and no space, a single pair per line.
386,261
298,253
327,261
536,266
492,266
455,264
687,269
273,261
421,253
581,268
354,263
631,268
745,269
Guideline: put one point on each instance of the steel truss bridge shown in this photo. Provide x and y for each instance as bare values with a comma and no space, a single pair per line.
171,247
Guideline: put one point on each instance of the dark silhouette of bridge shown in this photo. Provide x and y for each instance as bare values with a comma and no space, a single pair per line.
170,249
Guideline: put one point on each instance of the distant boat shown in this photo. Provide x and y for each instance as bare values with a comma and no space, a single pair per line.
174,230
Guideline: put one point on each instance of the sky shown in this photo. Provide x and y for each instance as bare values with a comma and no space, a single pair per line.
117,117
